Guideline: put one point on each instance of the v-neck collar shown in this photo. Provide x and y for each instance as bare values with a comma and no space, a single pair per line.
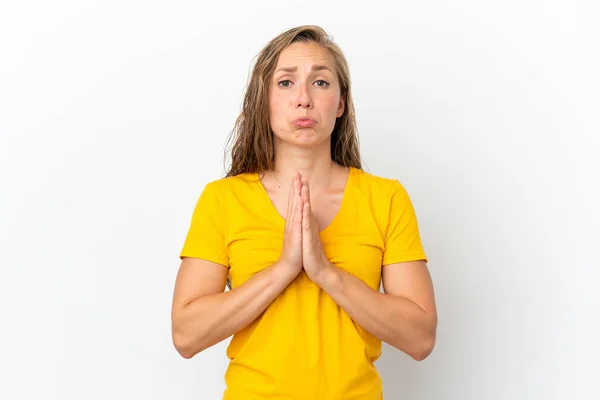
281,221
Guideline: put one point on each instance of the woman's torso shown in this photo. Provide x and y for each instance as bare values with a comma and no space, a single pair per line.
304,346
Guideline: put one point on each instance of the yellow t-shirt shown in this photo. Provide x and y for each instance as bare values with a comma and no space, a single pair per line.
304,346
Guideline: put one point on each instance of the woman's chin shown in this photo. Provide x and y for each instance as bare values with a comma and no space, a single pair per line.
305,137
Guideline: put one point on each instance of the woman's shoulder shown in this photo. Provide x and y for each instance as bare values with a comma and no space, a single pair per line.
233,184
376,184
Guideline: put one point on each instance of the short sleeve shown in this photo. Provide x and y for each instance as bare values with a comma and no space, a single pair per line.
206,234
402,239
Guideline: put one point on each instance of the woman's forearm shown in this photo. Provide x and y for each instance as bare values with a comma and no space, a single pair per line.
213,318
395,320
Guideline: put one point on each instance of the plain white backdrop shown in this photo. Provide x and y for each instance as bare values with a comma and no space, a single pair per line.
114,114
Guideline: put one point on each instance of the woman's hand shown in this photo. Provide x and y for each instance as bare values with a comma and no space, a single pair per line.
291,252
315,260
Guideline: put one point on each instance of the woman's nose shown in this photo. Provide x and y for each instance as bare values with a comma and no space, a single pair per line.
303,100
304,104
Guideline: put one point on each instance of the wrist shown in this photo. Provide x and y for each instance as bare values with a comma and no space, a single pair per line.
329,277
284,272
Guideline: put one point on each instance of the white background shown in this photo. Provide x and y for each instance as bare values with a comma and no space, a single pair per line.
114,114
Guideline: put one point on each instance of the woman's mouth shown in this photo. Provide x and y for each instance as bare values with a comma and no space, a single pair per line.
304,122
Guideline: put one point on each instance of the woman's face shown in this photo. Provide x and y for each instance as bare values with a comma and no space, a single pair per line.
304,85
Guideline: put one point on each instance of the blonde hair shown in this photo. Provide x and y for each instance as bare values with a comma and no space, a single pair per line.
250,143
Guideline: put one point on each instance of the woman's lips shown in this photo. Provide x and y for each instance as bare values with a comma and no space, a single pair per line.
304,122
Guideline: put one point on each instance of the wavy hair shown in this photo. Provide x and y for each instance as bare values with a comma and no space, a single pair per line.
250,144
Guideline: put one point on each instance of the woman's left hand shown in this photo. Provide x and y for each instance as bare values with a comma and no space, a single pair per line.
315,260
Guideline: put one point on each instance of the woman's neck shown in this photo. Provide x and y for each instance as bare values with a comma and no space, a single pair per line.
315,164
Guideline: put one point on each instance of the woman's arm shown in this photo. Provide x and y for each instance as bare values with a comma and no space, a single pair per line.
404,317
203,314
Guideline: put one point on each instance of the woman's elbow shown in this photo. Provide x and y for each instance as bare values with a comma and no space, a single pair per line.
182,345
424,350
186,346
424,347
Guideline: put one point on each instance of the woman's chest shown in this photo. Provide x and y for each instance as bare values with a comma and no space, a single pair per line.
355,248
324,206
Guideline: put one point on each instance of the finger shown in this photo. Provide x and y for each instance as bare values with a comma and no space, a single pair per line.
294,185
299,201
304,194
299,183
290,207
296,204
290,223
306,215
299,211
302,189
297,226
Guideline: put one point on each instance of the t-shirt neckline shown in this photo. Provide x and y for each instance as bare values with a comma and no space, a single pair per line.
281,221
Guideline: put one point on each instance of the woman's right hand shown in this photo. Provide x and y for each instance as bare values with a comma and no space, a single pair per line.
291,252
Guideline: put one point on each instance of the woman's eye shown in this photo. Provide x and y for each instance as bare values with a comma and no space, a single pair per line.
320,83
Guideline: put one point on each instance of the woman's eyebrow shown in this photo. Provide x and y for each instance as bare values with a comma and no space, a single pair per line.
294,69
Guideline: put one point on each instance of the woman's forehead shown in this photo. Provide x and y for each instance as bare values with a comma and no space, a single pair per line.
300,54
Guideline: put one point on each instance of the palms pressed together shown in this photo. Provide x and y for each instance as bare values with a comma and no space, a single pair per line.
303,248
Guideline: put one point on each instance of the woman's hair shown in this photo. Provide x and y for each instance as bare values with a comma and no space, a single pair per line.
250,143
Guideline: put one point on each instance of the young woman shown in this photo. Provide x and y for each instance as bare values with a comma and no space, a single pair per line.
304,237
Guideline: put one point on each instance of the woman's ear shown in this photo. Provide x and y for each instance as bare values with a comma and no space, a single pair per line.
341,107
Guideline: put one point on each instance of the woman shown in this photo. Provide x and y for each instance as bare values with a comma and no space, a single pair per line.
304,237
